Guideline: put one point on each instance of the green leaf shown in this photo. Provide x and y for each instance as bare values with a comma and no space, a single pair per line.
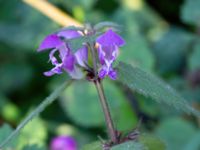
145,142
71,28
106,24
194,142
5,130
84,93
8,110
193,62
176,133
69,5
27,136
151,86
75,97
36,112
190,12
93,146
12,71
34,147
136,50
152,142
129,146
20,31
136,47
77,43
171,49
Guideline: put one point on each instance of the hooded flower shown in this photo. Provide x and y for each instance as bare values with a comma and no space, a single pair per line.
108,50
63,143
67,60
74,63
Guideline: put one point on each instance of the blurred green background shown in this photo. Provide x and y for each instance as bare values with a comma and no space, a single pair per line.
163,37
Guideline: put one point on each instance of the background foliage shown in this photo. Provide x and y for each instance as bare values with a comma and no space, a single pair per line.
161,38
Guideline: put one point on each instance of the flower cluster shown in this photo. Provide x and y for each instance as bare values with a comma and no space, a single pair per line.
106,48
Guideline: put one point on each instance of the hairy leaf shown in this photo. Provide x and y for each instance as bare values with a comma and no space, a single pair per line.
151,86
129,146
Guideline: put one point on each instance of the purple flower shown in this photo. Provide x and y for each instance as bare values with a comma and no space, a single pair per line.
108,50
75,63
67,60
63,143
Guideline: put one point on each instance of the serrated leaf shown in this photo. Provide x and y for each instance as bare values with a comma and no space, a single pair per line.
151,86
190,12
35,112
129,146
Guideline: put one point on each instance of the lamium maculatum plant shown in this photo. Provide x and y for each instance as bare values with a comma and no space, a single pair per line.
90,53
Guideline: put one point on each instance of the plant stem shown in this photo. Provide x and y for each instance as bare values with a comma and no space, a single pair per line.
106,111
94,59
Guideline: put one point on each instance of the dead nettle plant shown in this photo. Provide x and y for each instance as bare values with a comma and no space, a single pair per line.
90,53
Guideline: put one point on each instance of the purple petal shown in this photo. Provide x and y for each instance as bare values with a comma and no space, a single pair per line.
69,34
112,74
107,71
63,51
76,73
107,54
53,59
82,56
102,73
69,62
63,143
51,41
101,54
110,38
55,70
